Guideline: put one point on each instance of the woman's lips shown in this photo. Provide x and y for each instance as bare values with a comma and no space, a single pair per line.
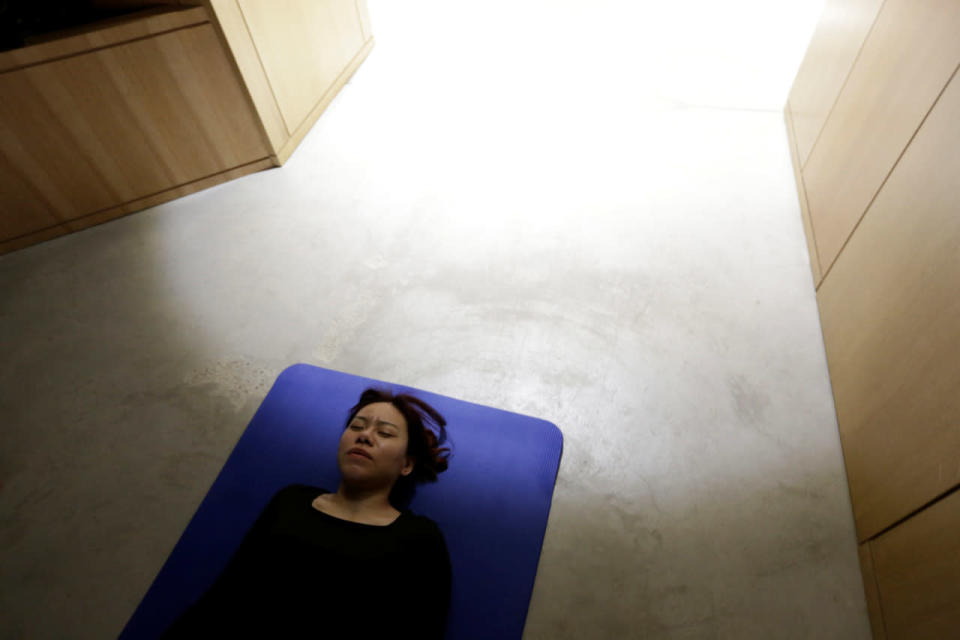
359,454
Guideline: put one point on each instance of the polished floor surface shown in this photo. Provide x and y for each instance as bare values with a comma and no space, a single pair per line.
581,211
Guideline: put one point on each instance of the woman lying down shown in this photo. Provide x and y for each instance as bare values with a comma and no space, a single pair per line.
348,564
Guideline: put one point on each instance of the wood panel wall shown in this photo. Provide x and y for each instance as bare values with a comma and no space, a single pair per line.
890,310
880,193
917,568
840,33
872,592
902,68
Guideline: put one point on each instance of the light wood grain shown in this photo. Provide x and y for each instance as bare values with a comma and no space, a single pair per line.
93,131
364,12
304,46
23,207
104,34
840,33
132,207
284,153
229,20
802,195
170,194
904,64
35,237
874,608
889,311
917,565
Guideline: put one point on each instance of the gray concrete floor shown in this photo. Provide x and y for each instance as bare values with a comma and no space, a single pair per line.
583,212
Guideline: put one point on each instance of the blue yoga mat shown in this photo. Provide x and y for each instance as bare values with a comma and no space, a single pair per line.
491,504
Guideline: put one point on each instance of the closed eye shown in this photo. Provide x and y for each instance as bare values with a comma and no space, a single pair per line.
385,434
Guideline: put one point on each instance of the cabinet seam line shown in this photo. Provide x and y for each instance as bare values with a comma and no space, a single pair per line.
853,66
263,68
876,585
890,172
67,221
75,54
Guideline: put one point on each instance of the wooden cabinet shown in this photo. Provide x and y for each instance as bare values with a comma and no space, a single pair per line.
96,125
880,191
294,56
364,14
303,49
156,104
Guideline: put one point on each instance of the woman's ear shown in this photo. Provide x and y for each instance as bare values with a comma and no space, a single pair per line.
408,467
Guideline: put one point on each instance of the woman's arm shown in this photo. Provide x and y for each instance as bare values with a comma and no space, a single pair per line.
436,582
217,610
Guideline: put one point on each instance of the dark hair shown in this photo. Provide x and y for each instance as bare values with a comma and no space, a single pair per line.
423,444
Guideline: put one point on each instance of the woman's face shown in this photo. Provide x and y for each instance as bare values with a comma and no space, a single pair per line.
378,430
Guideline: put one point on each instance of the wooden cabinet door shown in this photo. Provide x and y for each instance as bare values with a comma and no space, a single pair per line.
917,571
907,59
364,12
842,29
890,311
304,46
874,608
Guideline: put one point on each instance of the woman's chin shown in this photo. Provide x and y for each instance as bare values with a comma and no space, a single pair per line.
352,475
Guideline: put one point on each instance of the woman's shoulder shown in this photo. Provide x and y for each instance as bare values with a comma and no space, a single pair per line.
422,526
297,491
426,540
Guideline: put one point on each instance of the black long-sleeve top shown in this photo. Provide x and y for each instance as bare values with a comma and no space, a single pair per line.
302,573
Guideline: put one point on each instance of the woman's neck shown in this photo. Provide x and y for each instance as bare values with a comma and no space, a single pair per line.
356,501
